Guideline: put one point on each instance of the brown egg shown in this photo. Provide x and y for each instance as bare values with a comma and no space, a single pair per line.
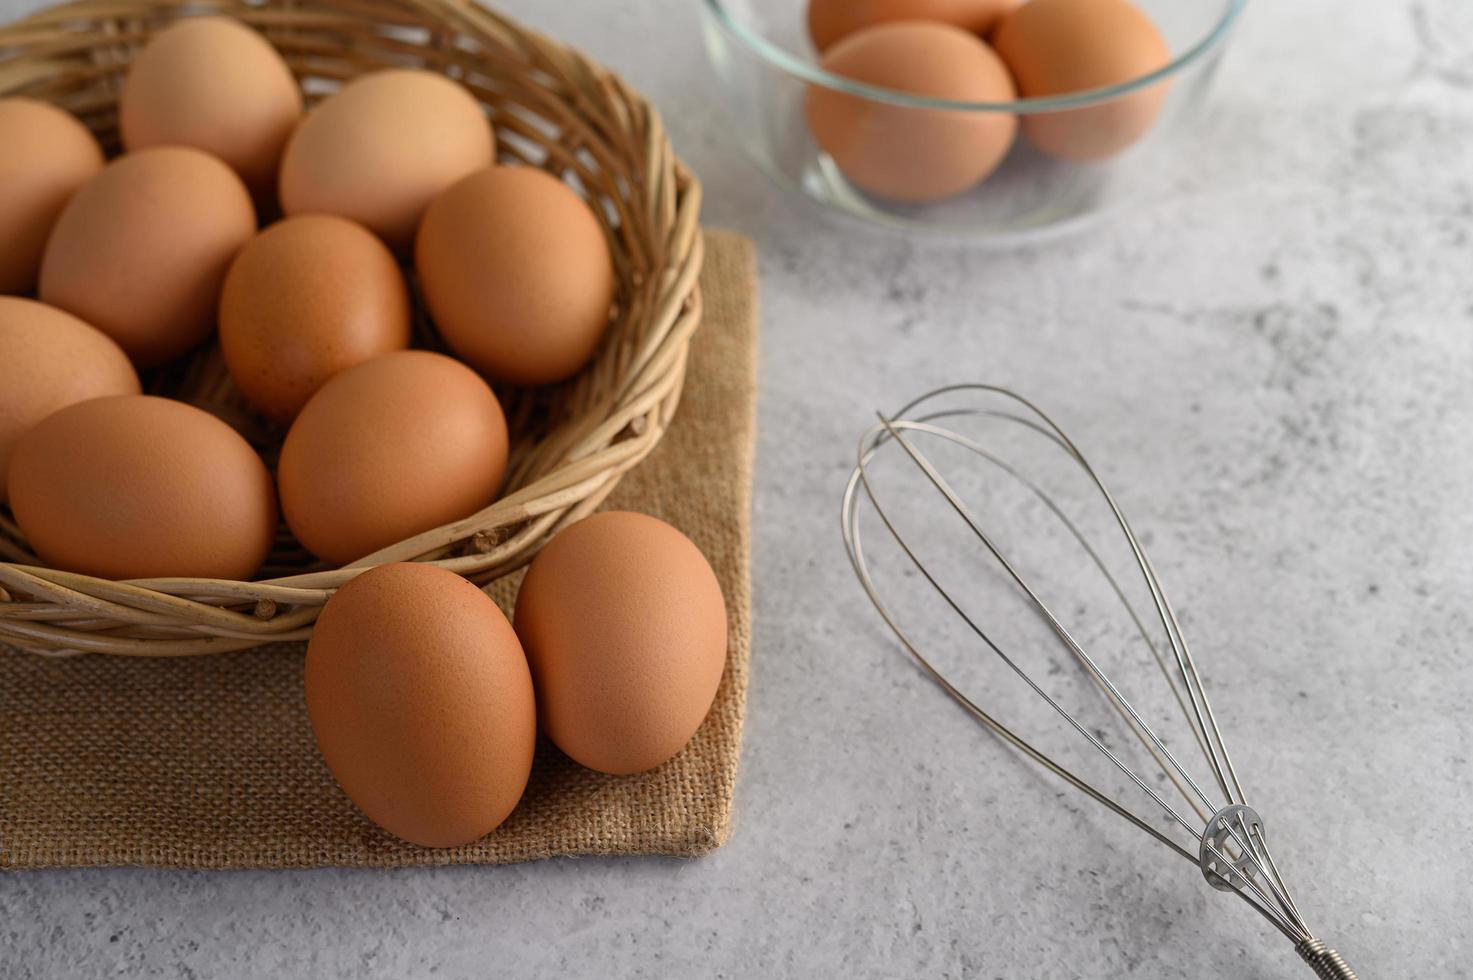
517,274
48,155
833,20
421,702
388,449
379,150
133,486
913,154
141,250
307,298
49,360
625,629
1056,47
214,84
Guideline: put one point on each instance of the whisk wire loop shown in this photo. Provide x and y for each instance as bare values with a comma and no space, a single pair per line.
1116,697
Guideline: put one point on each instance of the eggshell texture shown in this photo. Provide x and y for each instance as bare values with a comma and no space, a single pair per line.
517,274
307,298
1054,47
913,154
215,84
49,360
133,486
365,153
141,250
48,155
832,20
388,449
421,702
625,629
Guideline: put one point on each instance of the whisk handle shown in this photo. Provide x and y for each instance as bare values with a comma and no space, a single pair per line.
1326,963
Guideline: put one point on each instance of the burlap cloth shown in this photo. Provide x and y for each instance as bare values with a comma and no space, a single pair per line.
208,762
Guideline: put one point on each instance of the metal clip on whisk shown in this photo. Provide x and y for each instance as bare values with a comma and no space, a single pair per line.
1225,836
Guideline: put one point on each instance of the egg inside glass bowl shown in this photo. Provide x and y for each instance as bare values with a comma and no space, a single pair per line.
1107,95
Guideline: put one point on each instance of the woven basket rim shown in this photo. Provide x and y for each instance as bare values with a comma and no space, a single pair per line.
607,138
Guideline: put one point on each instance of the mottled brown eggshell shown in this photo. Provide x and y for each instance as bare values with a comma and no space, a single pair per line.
308,297
217,85
624,626
379,150
1057,47
905,153
141,250
133,486
421,703
517,274
48,360
388,449
833,20
47,155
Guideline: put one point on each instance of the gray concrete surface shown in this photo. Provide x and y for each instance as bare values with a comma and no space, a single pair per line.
1275,359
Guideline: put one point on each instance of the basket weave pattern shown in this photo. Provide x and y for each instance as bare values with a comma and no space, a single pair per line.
551,108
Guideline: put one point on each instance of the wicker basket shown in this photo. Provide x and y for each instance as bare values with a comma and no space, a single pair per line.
570,444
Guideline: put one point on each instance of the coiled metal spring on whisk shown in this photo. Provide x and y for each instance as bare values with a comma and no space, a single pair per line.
1226,839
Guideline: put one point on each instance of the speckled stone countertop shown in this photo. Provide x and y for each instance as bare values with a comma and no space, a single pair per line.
1276,359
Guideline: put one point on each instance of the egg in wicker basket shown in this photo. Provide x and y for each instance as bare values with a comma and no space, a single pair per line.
570,443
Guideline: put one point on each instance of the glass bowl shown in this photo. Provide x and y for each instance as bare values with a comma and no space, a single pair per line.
767,72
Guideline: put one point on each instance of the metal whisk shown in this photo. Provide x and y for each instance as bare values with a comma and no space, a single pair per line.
1224,836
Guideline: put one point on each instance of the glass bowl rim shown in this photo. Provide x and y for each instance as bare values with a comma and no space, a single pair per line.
785,61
